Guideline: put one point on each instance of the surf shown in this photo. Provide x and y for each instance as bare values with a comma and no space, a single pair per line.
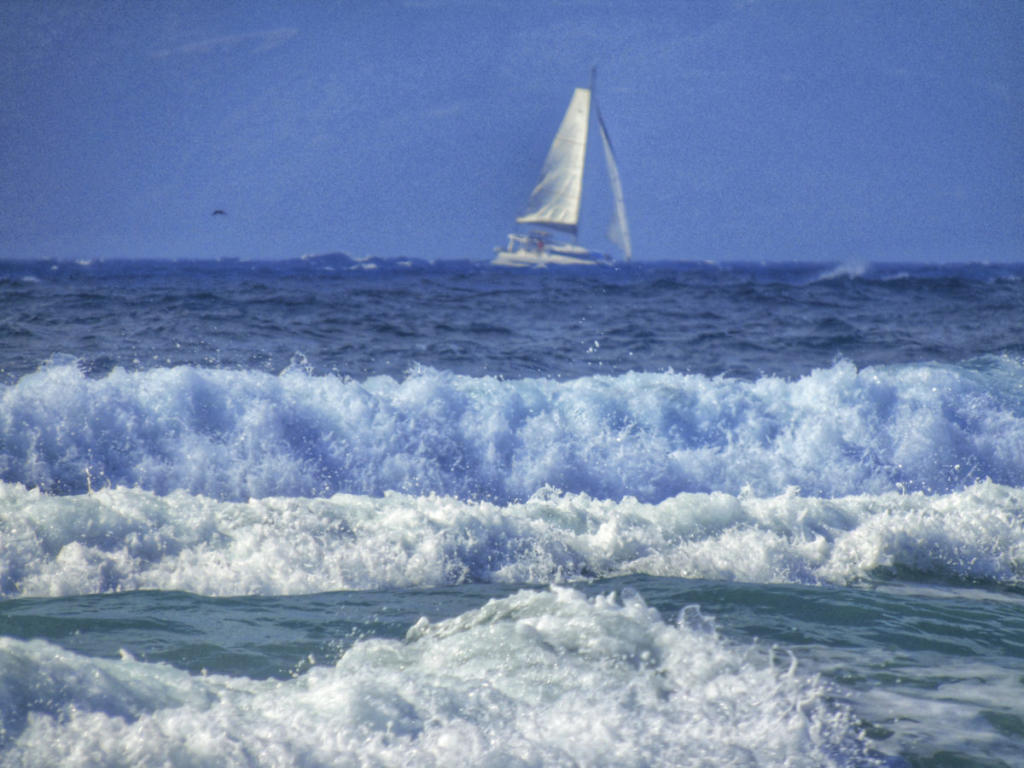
512,681
234,435
113,540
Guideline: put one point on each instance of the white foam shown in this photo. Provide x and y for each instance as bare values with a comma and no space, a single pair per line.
539,678
242,434
942,704
119,539
850,270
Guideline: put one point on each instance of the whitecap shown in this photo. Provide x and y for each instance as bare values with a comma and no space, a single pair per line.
539,678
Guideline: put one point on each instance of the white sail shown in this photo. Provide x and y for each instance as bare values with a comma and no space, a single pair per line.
618,230
555,201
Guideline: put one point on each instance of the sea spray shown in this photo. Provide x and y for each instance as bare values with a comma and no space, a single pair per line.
122,539
538,678
242,434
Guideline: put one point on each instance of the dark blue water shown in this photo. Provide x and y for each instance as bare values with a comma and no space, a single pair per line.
364,318
331,511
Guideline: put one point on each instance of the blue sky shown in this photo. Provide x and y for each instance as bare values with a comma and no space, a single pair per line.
790,130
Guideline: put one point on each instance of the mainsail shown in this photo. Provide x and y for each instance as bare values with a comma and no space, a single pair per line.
555,201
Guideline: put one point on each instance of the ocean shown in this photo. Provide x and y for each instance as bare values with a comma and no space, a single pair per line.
340,512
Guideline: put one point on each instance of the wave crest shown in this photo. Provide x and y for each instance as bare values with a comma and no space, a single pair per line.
538,678
244,434
114,540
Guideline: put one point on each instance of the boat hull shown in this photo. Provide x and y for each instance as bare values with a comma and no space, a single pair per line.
525,257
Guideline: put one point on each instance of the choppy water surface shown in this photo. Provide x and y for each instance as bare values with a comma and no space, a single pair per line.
333,512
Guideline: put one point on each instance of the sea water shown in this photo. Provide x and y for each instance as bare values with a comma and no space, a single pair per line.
341,512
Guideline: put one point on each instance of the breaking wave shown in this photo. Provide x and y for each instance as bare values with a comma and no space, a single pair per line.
235,435
538,678
126,539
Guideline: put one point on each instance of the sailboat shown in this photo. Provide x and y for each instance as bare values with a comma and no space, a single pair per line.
553,210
